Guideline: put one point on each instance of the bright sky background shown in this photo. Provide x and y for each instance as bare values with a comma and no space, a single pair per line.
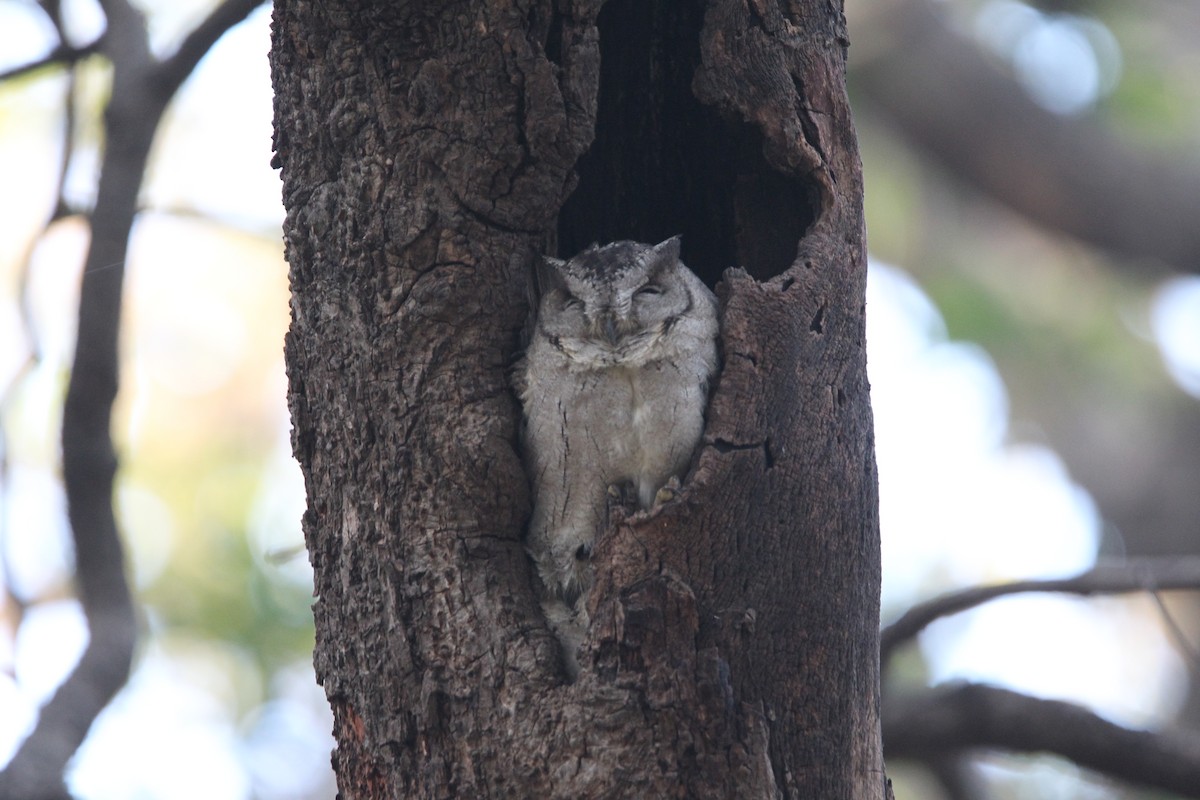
961,502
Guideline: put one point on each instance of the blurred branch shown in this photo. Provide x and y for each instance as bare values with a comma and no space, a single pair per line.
141,89
930,725
1176,631
89,461
955,777
61,207
197,43
12,609
62,55
53,10
33,355
1069,173
1143,575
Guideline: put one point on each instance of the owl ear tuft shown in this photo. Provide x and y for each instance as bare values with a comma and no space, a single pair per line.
667,252
664,255
548,273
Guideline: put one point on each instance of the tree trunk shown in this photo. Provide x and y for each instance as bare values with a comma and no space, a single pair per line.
428,149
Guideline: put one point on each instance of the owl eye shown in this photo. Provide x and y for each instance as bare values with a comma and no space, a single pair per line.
572,302
649,290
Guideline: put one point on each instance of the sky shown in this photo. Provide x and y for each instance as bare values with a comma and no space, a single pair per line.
963,501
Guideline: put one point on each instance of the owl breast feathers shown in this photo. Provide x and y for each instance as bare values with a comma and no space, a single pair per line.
614,384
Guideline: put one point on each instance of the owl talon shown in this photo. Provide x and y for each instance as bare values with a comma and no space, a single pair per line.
668,491
621,500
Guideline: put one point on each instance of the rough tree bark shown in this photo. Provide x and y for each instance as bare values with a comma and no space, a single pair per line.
427,151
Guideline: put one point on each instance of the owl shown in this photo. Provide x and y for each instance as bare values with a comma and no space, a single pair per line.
614,384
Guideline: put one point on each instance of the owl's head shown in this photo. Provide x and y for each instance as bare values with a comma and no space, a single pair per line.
611,305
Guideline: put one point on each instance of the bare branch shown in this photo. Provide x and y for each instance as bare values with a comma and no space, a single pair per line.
1177,633
955,777
33,354
70,113
89,461
60,56
931,725
142,87
1143,575
15,604
53,10
126,42
197,43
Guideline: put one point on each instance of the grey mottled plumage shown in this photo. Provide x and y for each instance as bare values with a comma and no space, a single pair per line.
614,383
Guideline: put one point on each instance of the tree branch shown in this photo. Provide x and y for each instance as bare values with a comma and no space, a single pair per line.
89,460
71,112
141,89
33,355
196,44
63,55
1151,574
955,777
932,724
1067,173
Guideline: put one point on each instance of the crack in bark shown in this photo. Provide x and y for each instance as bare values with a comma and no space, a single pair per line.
724,446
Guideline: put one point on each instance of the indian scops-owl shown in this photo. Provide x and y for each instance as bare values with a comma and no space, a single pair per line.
614,384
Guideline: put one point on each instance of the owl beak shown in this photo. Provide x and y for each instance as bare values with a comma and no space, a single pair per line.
608,321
